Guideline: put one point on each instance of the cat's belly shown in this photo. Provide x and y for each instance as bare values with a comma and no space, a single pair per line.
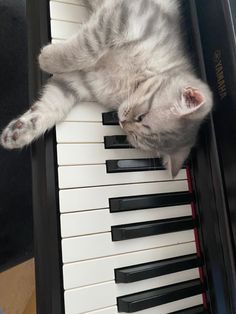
110,88
114,78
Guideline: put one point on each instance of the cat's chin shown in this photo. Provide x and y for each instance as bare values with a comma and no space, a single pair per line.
138,145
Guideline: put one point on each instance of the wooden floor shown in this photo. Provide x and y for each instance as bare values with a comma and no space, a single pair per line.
17,290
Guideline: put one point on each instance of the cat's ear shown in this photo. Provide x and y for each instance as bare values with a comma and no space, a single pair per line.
175,161
191,101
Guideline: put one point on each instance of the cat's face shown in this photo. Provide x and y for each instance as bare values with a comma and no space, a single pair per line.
165,118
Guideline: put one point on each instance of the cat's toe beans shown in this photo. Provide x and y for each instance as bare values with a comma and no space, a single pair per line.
17,125
15,136
19,133
9,138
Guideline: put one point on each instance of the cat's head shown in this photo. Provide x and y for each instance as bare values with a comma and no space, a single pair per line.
164,117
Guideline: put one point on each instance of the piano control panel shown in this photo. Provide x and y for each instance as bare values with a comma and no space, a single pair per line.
127,228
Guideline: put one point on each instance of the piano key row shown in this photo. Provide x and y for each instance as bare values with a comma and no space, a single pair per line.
192,305
89,222
85,273
85,154
84,199
124,292
96,175
85,132
131,298
100,245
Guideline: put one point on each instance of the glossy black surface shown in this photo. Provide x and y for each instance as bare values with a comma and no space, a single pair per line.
145,229
16,221
149,299
130,165
220,52
110,118
116,142
155,269
213,38
119,204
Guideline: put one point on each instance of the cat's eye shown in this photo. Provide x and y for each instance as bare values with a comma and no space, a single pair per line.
140,118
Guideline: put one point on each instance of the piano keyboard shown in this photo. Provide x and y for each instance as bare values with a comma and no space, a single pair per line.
127,228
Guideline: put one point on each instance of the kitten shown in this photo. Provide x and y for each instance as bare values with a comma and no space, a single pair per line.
129,56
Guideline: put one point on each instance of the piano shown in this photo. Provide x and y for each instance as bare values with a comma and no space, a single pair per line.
114,233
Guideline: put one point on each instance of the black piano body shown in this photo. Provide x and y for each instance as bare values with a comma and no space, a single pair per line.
212,39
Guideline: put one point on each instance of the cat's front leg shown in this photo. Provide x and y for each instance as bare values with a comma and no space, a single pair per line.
107,29
57,99
80,52
85,49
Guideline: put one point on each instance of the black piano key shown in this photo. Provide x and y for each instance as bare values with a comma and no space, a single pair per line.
110,118
145,229
193,310
131,165
119,204
155,269
116,142
155,297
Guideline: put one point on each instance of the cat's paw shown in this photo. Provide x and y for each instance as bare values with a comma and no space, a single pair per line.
49,60
20,132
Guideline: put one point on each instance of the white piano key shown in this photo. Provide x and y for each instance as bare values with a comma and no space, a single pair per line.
161,309
107,310
75,303
89,154
101,245
86,112
78,2
86,272
68,12
96,175
82,132
75,299
64,30
97,198
56,41
96,221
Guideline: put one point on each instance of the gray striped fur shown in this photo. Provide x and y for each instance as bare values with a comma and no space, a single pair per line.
64,87
129,56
